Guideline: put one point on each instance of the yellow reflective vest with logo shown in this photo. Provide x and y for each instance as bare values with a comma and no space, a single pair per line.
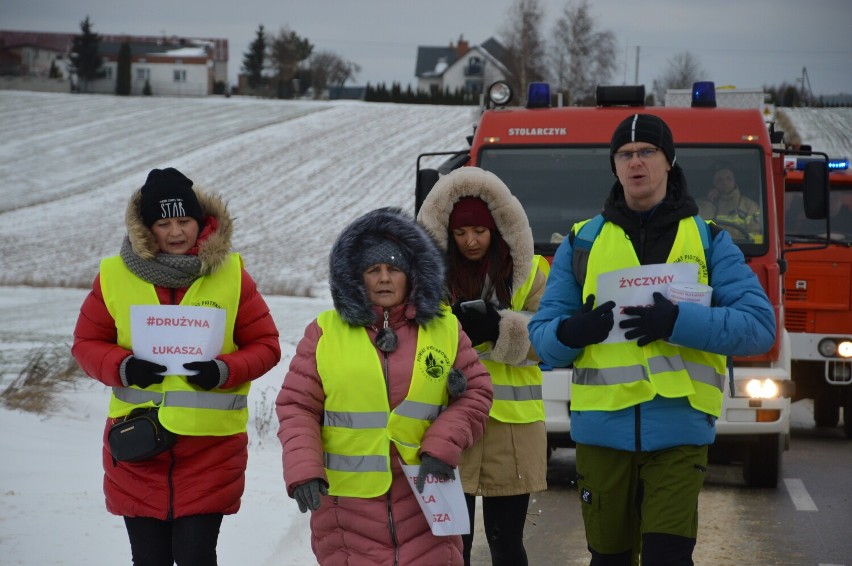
613,376
358,425
517,388
184,408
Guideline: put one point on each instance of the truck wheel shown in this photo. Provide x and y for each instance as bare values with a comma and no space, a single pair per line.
762,463
826,409
847,414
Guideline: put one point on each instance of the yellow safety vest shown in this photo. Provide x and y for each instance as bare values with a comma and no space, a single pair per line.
358,425
613,376
184,408
517,389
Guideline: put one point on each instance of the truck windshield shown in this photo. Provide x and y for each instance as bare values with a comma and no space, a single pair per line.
559,186
799,228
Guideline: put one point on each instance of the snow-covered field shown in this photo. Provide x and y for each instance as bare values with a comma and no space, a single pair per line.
294,173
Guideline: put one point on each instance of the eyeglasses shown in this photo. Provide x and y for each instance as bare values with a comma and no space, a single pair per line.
643,154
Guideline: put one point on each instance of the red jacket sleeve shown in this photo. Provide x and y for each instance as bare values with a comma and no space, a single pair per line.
95,337
256,337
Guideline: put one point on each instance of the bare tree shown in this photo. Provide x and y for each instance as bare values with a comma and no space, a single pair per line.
683,70
525,47
286,51
329,69
582,56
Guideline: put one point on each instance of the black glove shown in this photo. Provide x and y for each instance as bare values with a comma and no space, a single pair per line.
589,326
143,373
434,467
208,374
479,327
650,323
308,494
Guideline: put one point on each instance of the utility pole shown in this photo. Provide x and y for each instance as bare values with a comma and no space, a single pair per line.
636,76
807,93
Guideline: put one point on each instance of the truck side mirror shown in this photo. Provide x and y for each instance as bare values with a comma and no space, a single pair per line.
815,190
426,179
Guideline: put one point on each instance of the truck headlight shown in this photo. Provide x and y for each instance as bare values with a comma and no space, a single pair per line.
499,93
827,347
835,347
761,389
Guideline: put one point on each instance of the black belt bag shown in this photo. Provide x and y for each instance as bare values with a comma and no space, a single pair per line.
139,436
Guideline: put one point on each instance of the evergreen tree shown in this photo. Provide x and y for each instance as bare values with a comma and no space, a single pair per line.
254,59
147,90
122,79
86,62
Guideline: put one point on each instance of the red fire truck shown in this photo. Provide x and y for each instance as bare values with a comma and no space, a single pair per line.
818,294
555,159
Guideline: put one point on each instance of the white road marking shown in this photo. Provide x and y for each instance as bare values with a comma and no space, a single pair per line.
801,499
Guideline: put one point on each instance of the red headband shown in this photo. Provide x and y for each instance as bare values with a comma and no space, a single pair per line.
471,211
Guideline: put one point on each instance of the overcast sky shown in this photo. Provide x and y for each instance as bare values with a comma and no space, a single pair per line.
746,43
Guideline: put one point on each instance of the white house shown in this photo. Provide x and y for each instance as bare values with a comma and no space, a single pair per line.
181,71
171,66
460,66
168,69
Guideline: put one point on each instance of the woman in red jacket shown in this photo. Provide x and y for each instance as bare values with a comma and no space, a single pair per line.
386,375
176,257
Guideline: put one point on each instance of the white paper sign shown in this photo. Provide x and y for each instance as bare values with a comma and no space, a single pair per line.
635,286
173,335
442,502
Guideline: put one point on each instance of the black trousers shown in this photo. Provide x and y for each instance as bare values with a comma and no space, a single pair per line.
504,519
187,541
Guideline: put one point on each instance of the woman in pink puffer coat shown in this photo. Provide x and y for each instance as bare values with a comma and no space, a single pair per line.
386,277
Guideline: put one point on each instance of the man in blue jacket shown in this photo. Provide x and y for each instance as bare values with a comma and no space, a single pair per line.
648,372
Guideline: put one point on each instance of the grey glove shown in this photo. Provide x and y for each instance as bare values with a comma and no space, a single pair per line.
308,494
434,467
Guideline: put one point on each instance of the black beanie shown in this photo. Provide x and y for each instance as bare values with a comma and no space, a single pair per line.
643,128
382,250
167,193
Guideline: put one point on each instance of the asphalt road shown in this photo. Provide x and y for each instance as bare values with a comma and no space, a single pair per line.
806,520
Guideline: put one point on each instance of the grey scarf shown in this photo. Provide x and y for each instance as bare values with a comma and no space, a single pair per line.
173,271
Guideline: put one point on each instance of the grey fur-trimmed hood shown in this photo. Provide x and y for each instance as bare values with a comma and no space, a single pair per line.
506,209
212,251
426,279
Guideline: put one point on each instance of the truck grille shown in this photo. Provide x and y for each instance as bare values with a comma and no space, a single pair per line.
795,295
796,320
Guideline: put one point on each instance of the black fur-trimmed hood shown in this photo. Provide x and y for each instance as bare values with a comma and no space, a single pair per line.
426,280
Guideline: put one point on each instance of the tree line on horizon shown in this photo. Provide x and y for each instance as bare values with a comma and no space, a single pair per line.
577,56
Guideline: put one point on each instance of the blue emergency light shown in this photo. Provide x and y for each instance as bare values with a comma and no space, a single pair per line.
834,163
538,95
704,94
838,163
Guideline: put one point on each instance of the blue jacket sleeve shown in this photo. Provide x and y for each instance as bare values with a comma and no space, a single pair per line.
740,320
561,299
